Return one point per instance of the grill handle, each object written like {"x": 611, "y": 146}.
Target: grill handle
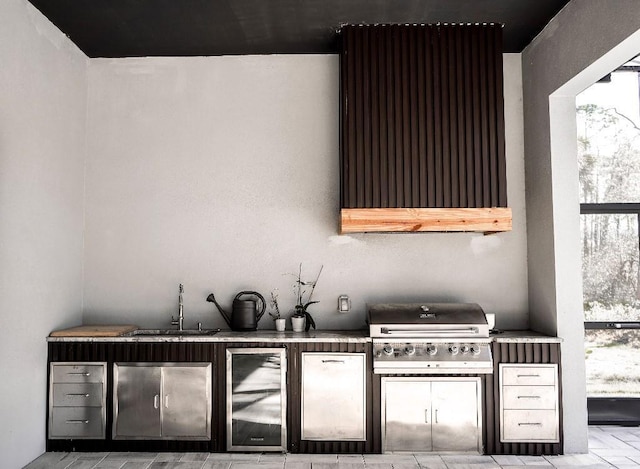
{"x": 430, "y": 333}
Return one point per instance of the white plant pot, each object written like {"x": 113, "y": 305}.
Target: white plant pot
{"x": 297, "y": 324}
{"x": 281, "y": 324}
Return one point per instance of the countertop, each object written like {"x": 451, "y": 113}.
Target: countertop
{"x": 352, "y": 336}
{"x": 348, "y": 336}
{"x": 523, "y": 336}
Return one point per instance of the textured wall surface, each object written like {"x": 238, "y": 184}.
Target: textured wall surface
{"x": 223, "y": 173}
{"x": 42, "y": 134}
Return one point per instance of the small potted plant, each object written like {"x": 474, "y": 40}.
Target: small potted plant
{"x": 301, "y": 318}
{"x": 275, "y": 313}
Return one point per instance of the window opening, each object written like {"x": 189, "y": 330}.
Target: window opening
{"x": 608, "y": 124}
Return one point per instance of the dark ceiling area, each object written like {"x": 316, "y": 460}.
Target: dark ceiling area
{"x": 139, "y": 28}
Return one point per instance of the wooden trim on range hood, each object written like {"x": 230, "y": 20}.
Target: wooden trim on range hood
{"x": 486, "y": 220}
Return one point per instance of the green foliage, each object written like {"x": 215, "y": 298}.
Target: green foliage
{"x": 609, "y": 172}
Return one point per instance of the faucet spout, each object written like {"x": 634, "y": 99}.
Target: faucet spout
{"x": 180, "y": 320}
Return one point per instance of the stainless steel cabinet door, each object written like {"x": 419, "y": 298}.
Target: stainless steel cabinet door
{"x": 137, "y": 402}
{"x": 455, "y": 414}
{"x": 256, "y": 399}
{"x": 406, "y": 415}
{"x": 186, "y": 397}
{"x": 333, "y": 396}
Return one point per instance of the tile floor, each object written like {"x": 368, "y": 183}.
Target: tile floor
{"x": 609, "y": 447}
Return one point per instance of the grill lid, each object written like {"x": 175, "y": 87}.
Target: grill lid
{"x": 424, "y": 319}
{"x": 427, "y": 313}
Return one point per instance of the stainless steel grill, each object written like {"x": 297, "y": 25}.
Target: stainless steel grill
{"x": 430, "y": 338}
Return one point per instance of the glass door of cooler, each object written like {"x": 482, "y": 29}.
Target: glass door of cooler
{"x": 256, "y": 399}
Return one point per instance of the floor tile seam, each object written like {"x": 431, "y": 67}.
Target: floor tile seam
{"x": 631, "y": 463}
{"x": 601, "y": 460}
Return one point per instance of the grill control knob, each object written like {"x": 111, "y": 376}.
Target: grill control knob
{"x": 409, "y": 350}
{"x": 453, "y": 349}
{"x": 464, "y": 349}
{"x": 475, "y": 349}
{"x": 432, "y": 349}
{"x": 387, "y": 350}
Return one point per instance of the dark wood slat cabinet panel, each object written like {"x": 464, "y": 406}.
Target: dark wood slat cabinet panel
{"x": 422, "y": 112}
{"x": 522, "y": 353}
{"x": 112, "y": 352}
{"x": 514, "y": 353}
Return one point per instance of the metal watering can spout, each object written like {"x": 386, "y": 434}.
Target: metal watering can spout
{"x": 225, "y": 315}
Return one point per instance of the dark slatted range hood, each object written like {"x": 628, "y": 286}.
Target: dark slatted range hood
{"x": 422, "y": 142}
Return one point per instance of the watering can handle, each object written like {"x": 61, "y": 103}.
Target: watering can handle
{"x": 262, "y": 308}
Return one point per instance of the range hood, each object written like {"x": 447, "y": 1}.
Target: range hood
{"x": 422, "y": 129}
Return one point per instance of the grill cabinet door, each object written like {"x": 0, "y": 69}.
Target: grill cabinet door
{"x": 455, "y": 415}
{"x": 407, "y": 416}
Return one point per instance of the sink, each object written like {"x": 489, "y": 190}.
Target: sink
{"x": 171, "y": 332}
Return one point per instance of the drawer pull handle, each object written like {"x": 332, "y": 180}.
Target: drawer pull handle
{"x": 528, "y": 397}
{"x": 82, "y": 422}
{"x": 80, "y": 374}
{"x": 332, "y": 361}
{"x": 528, "y": 376}
{"x": 529, "y": 424}
{"x": 78, "y": 395}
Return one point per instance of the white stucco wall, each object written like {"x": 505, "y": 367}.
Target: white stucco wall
{"x": 573, "y": 51}
{"x": 222, "y": 173}
{"x": 42, "y": 136}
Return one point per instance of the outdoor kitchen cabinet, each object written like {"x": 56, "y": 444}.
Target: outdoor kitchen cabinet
{"x": 529, "y": 403}
{"x": 333, "y": 396}
{"x": 525, "y": 353}
{"x": 77, "y": 400}
{"x": 162, "y": 401}
{"x": 431, "y": 414}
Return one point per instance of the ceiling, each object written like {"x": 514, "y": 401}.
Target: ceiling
{"x": 138, "y": 28}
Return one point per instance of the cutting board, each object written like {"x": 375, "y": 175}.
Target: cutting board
{"x": 94, "y": 331}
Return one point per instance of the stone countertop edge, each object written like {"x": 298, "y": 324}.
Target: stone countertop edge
{"x": 349, "y": 336}
{"x": 353, "y": 336}
{"x": 523, "y": 337}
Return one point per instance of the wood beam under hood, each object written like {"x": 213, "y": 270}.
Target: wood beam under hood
{"x": 486, "y": 220}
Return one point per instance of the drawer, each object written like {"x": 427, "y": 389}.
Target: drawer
{"x": 76, "y": 422}
{"x": 529, "y": 426}
{"x": 77, "y": 394}
{"x": 80, "y": 373}
{"x": 529, "y": 397}
{"x": 537, "y": 375}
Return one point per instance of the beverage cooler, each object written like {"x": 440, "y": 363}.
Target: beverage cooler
{"x": 256, "y": 399}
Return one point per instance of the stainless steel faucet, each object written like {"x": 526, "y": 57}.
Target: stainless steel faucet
{"x": 180, "y": 321}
